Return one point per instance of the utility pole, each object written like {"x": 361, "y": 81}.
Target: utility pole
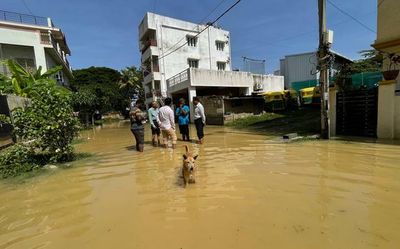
{"x": 323, "y": 65}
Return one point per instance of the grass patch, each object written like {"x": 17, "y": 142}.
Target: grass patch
{"x": 303, "y": 122}
{"x": 253, "y": 120}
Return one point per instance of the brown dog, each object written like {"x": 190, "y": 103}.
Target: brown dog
{"x": 189, "y": 167}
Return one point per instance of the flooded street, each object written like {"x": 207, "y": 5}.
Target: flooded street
{"x": 252, "y": 191}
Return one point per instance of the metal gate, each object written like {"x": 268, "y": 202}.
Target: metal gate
{"x": 357, "y": 113}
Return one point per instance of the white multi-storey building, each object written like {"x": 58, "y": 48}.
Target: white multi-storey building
{"x": 159, "y": 36}
{"x": 179, "y": 60}
{"x": 34, "y": 41}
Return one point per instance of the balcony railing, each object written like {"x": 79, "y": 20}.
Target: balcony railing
{"x": 48, "y": 39}
{"x": 179, "y": 78}
{"x": 23, "y": 18}
{"x": 156, "y": 93}
{"x": 147, "y": 70}
{"x": 148, "y": 43}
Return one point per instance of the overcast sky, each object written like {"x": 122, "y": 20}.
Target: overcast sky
{"x": 104, "y": 32}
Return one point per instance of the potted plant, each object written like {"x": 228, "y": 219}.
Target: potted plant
{"x": 392, "y": 72}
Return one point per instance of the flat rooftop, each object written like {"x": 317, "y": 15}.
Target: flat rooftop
{"x": 14, "y": 17}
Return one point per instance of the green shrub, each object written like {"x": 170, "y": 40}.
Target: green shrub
{"x": 45, "y": 129}
{"x": 16, "y": 160}
{"x": 48, "y": 123}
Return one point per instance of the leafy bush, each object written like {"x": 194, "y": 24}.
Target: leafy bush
{"x": 45, "y": 129}
{"x": 49, "y": 123}
{"x": 16, "y": 160}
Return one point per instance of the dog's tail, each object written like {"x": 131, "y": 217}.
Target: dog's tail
{"x": 187, "y": 148}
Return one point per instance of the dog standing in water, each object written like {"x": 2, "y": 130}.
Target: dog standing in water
{"x": 189, "y": 167}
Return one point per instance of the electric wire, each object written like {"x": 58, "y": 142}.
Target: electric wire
{"x": 27, "y": 7}
{"x": 352, "y": 17}
{"x": 202, "y": 20}
{"x": 207, "y": 26}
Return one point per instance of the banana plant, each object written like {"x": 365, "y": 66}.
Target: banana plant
{"x": 22, "y": 82}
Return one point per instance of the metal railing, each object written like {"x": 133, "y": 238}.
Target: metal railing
{"x": 178, "y": 78}
{"x": 48, "y": 39}
{"x": 23, "y": 18}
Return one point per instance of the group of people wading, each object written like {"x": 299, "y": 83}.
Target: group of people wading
{"x": 162, "y": 121}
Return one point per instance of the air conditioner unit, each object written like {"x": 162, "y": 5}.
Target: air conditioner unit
{"x": 258, "y": 87}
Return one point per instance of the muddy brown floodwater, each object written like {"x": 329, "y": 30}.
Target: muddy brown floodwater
{"x": 252, "y": 191}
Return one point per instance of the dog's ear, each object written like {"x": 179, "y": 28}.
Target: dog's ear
{"x": 195, "y": 157}
{"x": 184, "y": 156}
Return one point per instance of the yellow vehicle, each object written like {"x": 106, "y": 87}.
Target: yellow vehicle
{"x": 310, "y": 95}
{"x": 274, "y": 101}
{"x": 291, "y": 98}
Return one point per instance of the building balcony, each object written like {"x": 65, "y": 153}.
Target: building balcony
{"x": 194, "y": 77}
{"x": 148, "y": 43}
{"x": 150, "y": 76}
{"x": 147, "y": 70}
{"x": 150, "y": 51}
{"x": 54, "y": 48}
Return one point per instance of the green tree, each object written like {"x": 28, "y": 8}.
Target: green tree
{"x": 102, "y": 82}
{"x": 371, "y": 62}
{"x": 131, "y": 82}
{"x": 85, "y": 101}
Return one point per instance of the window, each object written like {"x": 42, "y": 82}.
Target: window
{"x": 221, "y": 66}
{"x": 193, "y": 63}
{"x": 27, "y": 63}
{"x": 220, "y": 45}
{"x": 191, "y": 41}
{"x": 60, "y": 77}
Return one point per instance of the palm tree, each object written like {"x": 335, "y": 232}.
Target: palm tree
{"x": 131, "y": 82}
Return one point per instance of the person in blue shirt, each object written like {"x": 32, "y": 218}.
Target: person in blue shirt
{"x": 182, "y": 112}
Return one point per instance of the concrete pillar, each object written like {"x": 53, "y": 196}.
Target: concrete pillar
{"x": 49, "y": 22}
{"x": 191, "y": 93}
{"x": 332, "y": 110}
{"x": 386, "y": 109}
{"x": 248, "y": 91}
{"x": 40, "y": 57}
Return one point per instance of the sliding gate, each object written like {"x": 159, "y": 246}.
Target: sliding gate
{"x": 357, "y": 113}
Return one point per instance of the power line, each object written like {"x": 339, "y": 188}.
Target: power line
{"x": 352, "y": 17}
{"x": 277, "y": 42}
{"x": 212, "y": 11}
{"x": 27, "y": 7}
{"x": 202, "y": 20}
{"x": 207, "y": 26}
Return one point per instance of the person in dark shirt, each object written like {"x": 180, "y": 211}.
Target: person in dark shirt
{"x": 138, "y": 118}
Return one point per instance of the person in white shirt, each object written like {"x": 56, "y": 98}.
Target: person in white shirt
{"x": 199, "y": 119}
{"x": 167, "y": 123}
